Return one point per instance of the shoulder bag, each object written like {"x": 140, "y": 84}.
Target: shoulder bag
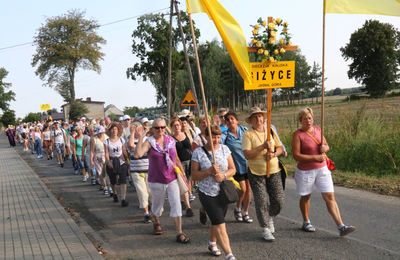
{"x": 227, "y": 193}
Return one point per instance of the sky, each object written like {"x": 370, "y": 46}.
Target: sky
{"x": 21, "y": 19}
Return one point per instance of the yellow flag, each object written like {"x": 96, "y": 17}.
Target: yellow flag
{"x": 194, "y": 6}
{"x": 44, "y": 107}
{"x": 230, "y": 31}
{"x": 381, "y": 7}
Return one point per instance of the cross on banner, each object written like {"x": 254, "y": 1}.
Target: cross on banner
{"x": 269, "y": 94}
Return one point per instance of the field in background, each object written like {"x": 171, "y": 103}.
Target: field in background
{"x": 364, "y": 137}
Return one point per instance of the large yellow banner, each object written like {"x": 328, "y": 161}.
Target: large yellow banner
{"x": 382, "y": 7}
{"x": 271, "y": 75}
{"x": 230, "y": 31}
{"x": 45, "y": 107}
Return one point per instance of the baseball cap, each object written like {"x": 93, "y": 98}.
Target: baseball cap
{"x": 144, "y": 120}
{"x": 126, "y": 117}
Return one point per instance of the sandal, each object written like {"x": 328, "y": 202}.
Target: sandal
{"x": 182, "y": 238}
{"x": 157, "y": 229}
{"x": 214, "y": 249}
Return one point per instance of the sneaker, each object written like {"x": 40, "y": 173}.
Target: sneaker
{"x": 345, "y": 230}
{"x": 203, "y": 217}
{"x": 76, "y": 172}
{"x": 248, "y": 219}
{"x": 62, "y": 165}
{"x": 84, "y": 178}
{"x": 307, "y": 227}
{"x": 271, "y": 226}
{"x": 238, "y": 215}
{"x": 147, "y": 218}
{"x": 191, "y": 197}
{"x": 93, "y": 181}
{"x": 189, "y": 212}
{"x": 105, "y": 192}
{"x": 115, "y": 197}
{"x": 124, "y": 203}
{"x": 267, "y": 235}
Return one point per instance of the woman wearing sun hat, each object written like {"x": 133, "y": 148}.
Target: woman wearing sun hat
{"x": 267, "y": 190}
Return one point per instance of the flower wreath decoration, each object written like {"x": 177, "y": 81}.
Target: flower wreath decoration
{"x": 264, "y": 39}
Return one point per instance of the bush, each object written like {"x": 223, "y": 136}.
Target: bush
{"x": 362, "y": 143}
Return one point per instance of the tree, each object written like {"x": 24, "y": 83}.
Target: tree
{"x": 5, "y": 96}
{"x": 65, "y": 44}
{"x": 32, "y": 117}
{"x": 303, "y": 83}
{"x": 375, "y": 53}
{"x": 131, "y": 111}
{"x": 315, "y": 81}
{"x": 150, "y": 45}
{"x": 8, "y": 118}
{"x": 77, "y": 110}
{"x": 337, "y": 91}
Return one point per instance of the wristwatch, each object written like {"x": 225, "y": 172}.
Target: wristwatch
{"x": 225, "y": 175}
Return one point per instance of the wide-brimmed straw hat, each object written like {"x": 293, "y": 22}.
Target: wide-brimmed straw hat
{"x": 255, "y": 110}
{"x": 112, "y": 125}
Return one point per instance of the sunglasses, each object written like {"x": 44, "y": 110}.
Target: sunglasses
{"x": 159, "y": 127}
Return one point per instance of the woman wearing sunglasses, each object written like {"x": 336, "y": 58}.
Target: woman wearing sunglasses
{"x": 162, "y": 156}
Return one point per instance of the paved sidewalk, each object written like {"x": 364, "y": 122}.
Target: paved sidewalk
{"x": 33, "y": 224}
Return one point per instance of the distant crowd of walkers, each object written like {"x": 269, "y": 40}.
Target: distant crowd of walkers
{"x": 148, "y": 154}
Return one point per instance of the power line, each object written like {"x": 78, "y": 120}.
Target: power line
{"x": 106, "y": 24}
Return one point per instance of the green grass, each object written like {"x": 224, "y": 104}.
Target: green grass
{"x": 364, "y": 137}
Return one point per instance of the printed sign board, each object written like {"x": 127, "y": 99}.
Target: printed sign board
{"x": 271, "y": 75}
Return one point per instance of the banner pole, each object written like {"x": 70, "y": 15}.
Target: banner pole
{"x": 323, "y": 76}
{"x": 269, "y": 108}
{"x": 201, "y": 85}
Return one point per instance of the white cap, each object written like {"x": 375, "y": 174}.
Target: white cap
{"x": 184, "y": 112}
{"x": 144, "y": 120}
{"x": 126, "y": 117}
{"x": 100, "y": 130}
{"x": 121, "y": 118}
{"x": 83, "y": 118}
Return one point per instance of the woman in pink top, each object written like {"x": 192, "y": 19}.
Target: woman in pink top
{"x": 312, "y": 169}
{"x": 162, "y": 155}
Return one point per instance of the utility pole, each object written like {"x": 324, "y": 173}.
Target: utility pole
{"x": 169, "y": 109}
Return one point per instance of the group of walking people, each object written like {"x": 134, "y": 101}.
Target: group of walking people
{"x": 149, "y": 153}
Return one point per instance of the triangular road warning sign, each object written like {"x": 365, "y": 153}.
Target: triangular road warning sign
{"x": 188, "y": 100}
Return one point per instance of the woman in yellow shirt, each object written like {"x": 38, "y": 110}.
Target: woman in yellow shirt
{"x": 267, "y": 191}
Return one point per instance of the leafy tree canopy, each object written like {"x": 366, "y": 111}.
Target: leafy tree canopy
{"x": 5, "y": 96}
{"x": 8, "y": 118}
{"x": 151, "y": 47}
{"x": 65, "y": 44}
{"x": 374, "y": 51}
{"x": 77, "y": 110}
{"x": 131, "y": 111}
{"x": 32, "y": 117}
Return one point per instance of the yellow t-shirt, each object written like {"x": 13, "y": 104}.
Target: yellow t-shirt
{"x": 258, "y": 165}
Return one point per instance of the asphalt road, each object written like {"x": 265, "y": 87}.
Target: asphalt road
{"x": 123, "y": 234}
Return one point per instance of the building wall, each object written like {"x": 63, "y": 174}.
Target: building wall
{"x": 96, "y": 111}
